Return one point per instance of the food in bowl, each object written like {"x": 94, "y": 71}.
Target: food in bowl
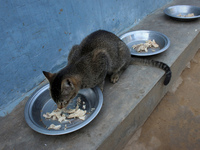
{"x": 188, "y": 15}
{"x": 143, "y": 47}
{"x": 55, "y": 127}
{"x": 62, "y": 115}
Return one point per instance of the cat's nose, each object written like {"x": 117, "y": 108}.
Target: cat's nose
{"x": 60, "y": 106}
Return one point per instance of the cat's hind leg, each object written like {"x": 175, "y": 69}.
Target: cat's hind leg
{"x": 115, "y": 76}
{"x": 123, "y": 60}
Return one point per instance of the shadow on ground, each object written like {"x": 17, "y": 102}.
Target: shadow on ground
{"x": 174, "y": 124}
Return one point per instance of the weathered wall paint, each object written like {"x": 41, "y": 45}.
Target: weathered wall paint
{"x": 37, "y": 35}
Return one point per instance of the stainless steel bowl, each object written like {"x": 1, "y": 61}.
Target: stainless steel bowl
{"x": 141, "y": 36}
{"x": 175, "y": 11}
{"x": 41, "y": 102}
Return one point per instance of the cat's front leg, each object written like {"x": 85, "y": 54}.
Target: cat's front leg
{"x": 101, "y": 85}
{"x": 114, "y": 78}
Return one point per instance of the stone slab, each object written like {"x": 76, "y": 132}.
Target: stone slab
{"x": 127, "y": 104}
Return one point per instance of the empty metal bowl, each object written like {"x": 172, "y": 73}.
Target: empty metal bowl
{"x": 41, "y": 102}
{"x": 181, "y": 12}
{"x": 141, "y": 36}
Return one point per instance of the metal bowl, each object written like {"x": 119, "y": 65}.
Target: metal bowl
{"x": 141, "y": 36}
{"x": 175, "y": 11}
{"x": 41, "y": 102}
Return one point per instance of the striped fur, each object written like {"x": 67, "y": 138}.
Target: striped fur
{"x": 154, "y": 63}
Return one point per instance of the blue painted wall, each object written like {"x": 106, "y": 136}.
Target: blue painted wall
{"x": 37, "y": 35}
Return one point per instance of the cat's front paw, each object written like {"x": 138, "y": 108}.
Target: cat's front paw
{"x": 114, "y": 78}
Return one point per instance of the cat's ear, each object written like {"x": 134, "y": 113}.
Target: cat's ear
{"x": 67, "y": 84}
{"x": 48, "y": 75}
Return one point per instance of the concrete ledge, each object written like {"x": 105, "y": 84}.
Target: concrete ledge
{"x": 127, "y": 104}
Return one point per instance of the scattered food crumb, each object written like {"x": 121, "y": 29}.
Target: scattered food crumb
{"x": 55, "y": 127}
{"x": 92, "y": 109}
{"x": 65, "y": 127}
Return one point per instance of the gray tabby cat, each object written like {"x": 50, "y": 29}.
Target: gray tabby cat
{"x": 101, "y": 53}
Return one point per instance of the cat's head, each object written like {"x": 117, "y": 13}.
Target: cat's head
{"x": 62, "y": 90}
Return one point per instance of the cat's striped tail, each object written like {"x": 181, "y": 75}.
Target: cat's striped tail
{"x": 154, "y": 63}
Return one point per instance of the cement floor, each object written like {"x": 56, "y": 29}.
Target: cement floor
{"x": 174, "y": 124}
